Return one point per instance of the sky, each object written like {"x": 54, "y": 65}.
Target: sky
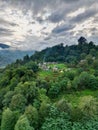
{"x": 37, "y": 24}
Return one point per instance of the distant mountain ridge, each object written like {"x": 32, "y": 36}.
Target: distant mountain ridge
{"x": 4, "y": 46}
{"x": 8, "y": 56}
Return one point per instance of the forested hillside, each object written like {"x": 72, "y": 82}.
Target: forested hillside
{"x": 69, "y": 54}
{"x": 54, "y": 89}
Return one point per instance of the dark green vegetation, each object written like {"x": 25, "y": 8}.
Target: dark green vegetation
{"x": 59, "y": 95}
{"x": 70, "y": 54}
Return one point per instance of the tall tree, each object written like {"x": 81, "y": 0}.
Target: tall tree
{"x": 8, "y": 120}
{"x": 23, "y": 124}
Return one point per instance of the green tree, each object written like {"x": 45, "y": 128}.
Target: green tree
{"x": 13, "y": 83}
{"x": 95, "y": 64}
{"x": 29, "y": 90}
{"x": 32, "y": 115}
{"x": 70, "y": 74}
{"x": 7, "y": 98}
{"x": 89, "y": 59}
{"x": 26, "y": 59}
{"x": 18, "y": 102}
{"x": 33, "y": 66}
{"x": 88, "y": 105}
{"x": 8, "y": 120}
{"x": 54, "y": 90}
{"x": 23, "y": 124}
{"x": 43, "y": 111}
{"x": 82, "y": 40}
{"x": 82, "y": 56}
{"x": 63, "y": 106}
{"x": 83, "y": 80}
{"x": 93, "y": 52}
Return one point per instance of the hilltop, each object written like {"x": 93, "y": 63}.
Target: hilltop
{"x": 69, "y": 54}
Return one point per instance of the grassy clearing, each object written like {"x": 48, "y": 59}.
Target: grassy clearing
{"x": 58, "y": 65}
{"x": 43, "y": 73}
{"x": 74, "y": 97}
{"x": 50, "y": 73}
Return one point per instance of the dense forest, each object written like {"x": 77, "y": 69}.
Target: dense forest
{"x": 69, "y": 54}
{"x": 54, "y": 89}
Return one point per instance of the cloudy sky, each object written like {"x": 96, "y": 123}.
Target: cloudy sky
{"x": 36, "y": 24}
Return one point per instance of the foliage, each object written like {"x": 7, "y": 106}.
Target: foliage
{"x": 18, "y": 102}
{"x": 85, "y": 80}
{"x": 28, "y": 90}
{"x": 88, "y": 105}
{"x": 23, "y": 124}
{"x": 8, "y": 120}
{"x": 56, "y": 121}
{"x": 32, "y": 115}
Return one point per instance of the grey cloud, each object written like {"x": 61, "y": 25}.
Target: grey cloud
{"x": 35, "y": 5}
{"x": 7, "y": 23}
{"x": 5, "y": 32}
{"x": 40, "y": 6}
{"x": 62, "y": 28}
{"x": 44, "y": 28}
{"x": 47, "y": 38}
{"x": 45, "y": 33}
{"x": 95, "y": 20}
{"x": 39, "y": 19}
{"x": 71, "y": 1}
{"x": 33, "y": 22}
{"x": 13, "y": 24}
{"x": 94, "y": 29}
{"x": 43, "y": 43}
{"x": 85, "y": 15}
{"x": 56, "y": 17}
{"x": 58, "y": 8}
{"x": 69, "y": 6}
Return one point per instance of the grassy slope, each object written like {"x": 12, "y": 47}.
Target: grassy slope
{"x": 72, "y": 97}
